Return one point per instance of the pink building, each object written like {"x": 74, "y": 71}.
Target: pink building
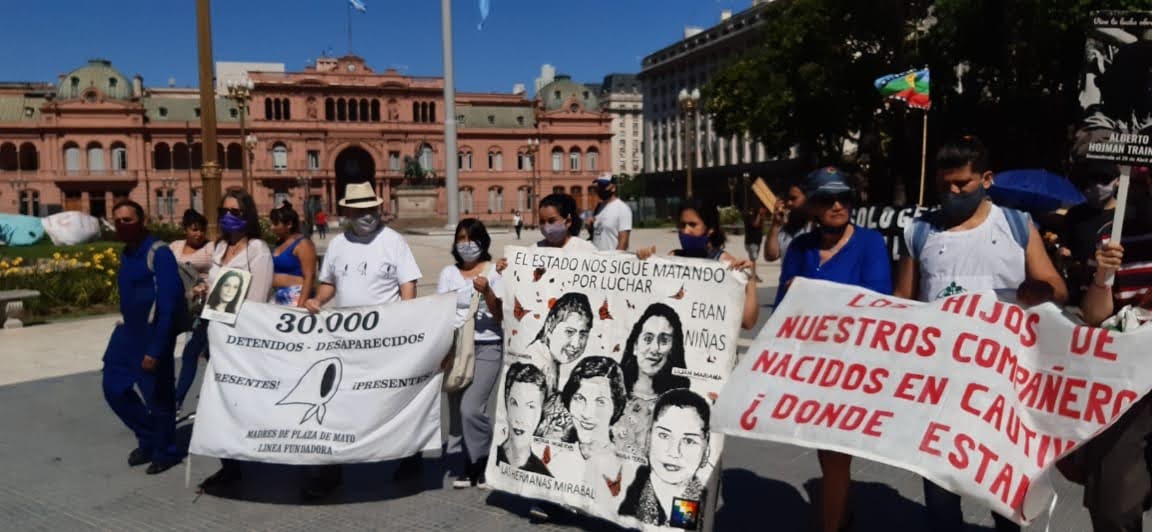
{"x": 97, "y": 136}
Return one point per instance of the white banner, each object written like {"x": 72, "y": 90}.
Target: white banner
{"x": 610, "y": 374}
{"x": 343, "y": 386}
{"x": 976, "y": 395}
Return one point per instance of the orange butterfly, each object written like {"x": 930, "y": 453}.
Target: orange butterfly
{"x": 680, "y": 294}
{"x": 616, "y": 349}
{"x": 712, "y": 396}
{"x": 604, "y": 314}
{"x": 551, "y": 303}
{"x": 518, "y": 309}
{"x": 537, "y": 274}
{"x": 546, "y": 456}
{"x": 614, "y": 484}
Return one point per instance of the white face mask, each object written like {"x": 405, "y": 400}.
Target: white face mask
{"x": 468, "y": 251}
{"x": 1098, "y": 195}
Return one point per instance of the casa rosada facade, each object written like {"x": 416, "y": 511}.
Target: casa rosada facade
{"x": 97, "y": 137}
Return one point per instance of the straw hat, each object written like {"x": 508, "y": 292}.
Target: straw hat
{"x": 360, "y": 196}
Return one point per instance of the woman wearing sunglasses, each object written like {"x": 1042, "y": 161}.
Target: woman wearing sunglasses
{"x": 837, "y": 251}
{"x": 239, "y": 247}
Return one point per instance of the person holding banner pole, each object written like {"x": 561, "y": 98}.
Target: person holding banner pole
{"x": 788, "y": 222}
{"x": 969, "y": 245}
{"x": 470, "y": 426}
{"x": 839, "y": 251}
{"x": 369, "y": 264}
{"x": 240, "y": 247}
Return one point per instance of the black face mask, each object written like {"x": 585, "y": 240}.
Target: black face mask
{"x": 958, "y": 208}
{"x": 604, "y": 193}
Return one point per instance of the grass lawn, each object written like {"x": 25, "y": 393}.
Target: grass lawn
{"x": 45, "y": 249}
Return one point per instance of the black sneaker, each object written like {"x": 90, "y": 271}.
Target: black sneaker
{"x": 225, "y": 478}
{"x": 139, "y": 457}
{"x": 157, "y": 467}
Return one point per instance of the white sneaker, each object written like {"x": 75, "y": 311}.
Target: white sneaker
{"x": 461, "y": 482}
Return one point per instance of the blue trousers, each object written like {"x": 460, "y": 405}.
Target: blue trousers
{"x": 196, "y": 346}
{"x": 144, "y": 401}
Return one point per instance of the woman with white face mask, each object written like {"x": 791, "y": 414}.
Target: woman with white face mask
{"x": 470, "y": 426}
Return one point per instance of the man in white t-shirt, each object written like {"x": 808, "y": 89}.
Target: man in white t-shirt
{"x": 369, "y": 264}
{"x": 613, "y": 224}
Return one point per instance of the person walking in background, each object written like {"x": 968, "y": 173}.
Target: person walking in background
{"x": 753, "y": 235}
{"x": 839, "y": 251}
{"x": 470, "y": 425}
{"x": 968, "y": 245}
{"x": 322, "y": 224}
{"x": 369, "y": 264}
{"x": 197, "y": 251}
{"x": 612, "y": 224}
{"x": 293, "y": 260}
{"x": 140, "y": 352}
{"x": 789, "y": 221}
{"x": 517, "y": 223}
{"x": 241, "y": 248}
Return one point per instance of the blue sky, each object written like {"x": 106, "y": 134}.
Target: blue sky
{"x": 156, "y": 39}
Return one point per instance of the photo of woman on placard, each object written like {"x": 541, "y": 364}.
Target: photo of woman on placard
{"x": 654, "y": 348}
{"x": 562, "y": 339}
{"x": 677, "y": 454}
{"x": 594, "y": 398}
{"x": 227, "y": 296}
{"x": 524, "y": 395}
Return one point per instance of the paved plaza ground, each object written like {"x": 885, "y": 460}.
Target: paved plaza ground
{"x": 63, "y": 452}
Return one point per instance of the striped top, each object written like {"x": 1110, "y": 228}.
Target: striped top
{"x": 201, "y": 259}
{"x": 1134, "y": 279}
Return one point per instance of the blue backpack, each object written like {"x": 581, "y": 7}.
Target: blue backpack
{"x": 1018, "y": 221}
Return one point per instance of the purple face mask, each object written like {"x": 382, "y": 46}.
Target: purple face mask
{"x": 230, "y": 223}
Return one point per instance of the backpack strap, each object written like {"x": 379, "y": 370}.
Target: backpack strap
{"x": 1021, "y": 225}
{"x": 921, "y": 228}
{"x": 151, "y": 261}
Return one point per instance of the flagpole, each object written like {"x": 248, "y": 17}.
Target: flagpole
{"x": 923, "y": 156}
{"x": 451, "y": 179}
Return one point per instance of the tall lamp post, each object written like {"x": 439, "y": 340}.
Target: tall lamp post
{"x": 209, "y": 170}
{"x": 250, "y": 142}
{"x": 20, "y": 184}
{"x": 241, "y": 93}
{"x": 688, "y": 103}
{"x": 533, "y": 148}
{"x": 747, "y": 183}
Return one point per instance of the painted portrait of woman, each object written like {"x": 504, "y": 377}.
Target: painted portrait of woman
{"x": 653, "y": 350}
{"x": 562, "y": 339}
{"x": 524, "y": 396}
{"x": 594, "y": 398}
{"x": 677, "y": 453}
{"x": 226, "y": 298}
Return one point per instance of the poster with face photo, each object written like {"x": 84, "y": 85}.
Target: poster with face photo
{"x": 611, "y": 367}
{"x": 227, "y": 296}
{"x": 1117, "y": 91}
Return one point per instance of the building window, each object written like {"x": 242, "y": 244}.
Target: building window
{"x": 496, "y": 199}
{"x": 574, "y": 160}
{"x": 432, "y": 112}
{"x": 426, "y": 157}
{"x": 196, "y": 111}
{"x": 267, "y": 108}
{"x": 329, "y": 109}
{"x": 287, "y": 109}
{"x": 520, "y": 120}
{"x": 234, "y": 112}
{"x": 522, "y": 198}
{"x": 593, "y": 158}
{"x": 375, "y": 110}
{"x": 353, "y": 111}
{"x": 464, "y": 160}
{"x": 163, "y": 111}
{"x": 313, "y": 159}
{"x": 491, "y": 120}
{"x": 95, "y": 157}
{"x": 119, "y": 157}
{"x": 466, "y": 200}
{"x": 459, "y": 120}
{"x": 394, "y": 161}
{"x": 495, "y": 160}
{"x": 341, "y": 110}
{"x": 557, "y": 159}
{"x": 556, "y": 95}
{"x": 279, "y": 156}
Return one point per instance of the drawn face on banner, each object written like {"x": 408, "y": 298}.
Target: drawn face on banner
{"x": 679, "y": 442}
{"x": 525, "y": 406}
{"x": 653, "y": 345}
{"x": 591, "y": 408}
{"x": 568, "y": 333}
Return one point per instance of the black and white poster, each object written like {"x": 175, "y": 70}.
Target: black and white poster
{"x": 1117, "y": 92}
{"x": 227, "y": 296}
{"x": 611, "y": 371}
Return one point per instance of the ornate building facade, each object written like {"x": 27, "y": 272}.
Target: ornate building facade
{"x": 97, "y": 136}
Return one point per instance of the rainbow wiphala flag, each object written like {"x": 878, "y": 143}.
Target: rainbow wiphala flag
{"x": 912, "y": 87}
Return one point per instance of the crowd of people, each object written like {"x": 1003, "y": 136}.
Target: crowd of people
{"x": 968, "y": 244}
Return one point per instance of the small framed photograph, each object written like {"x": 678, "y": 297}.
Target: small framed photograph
{"x": 227, "y": 296}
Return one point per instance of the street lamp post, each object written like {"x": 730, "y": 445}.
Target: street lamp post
{"x": 688, "y": 103}
{"x": 209, "y": 170}
{"x": 241, "y": 93}
{"x": 250, "y": 142}
{"x": 20, "y": 184}
{"x": 747, "y": 182}
{"x": 533, "y": 148}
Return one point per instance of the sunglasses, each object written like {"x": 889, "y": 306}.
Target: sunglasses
{"x": 828, "y": 200}
{"x": 233, "y": 212}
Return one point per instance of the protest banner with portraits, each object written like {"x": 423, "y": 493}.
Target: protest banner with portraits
{"x": 977, "y": 395}
{"x": 611, "y": 369}
{"x": 342, "y": 386}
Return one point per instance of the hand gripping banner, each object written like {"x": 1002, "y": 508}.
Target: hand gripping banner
{"x": 342, "y": 386}
{"x": 979, "y": 396}
{"x": 611, "y": 371}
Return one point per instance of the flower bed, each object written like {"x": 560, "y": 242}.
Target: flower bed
{"x": 69, "y": 282}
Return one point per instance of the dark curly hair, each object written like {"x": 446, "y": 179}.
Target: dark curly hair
{"x": 592, "y": 367}
{"x": 664, "y": 380}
